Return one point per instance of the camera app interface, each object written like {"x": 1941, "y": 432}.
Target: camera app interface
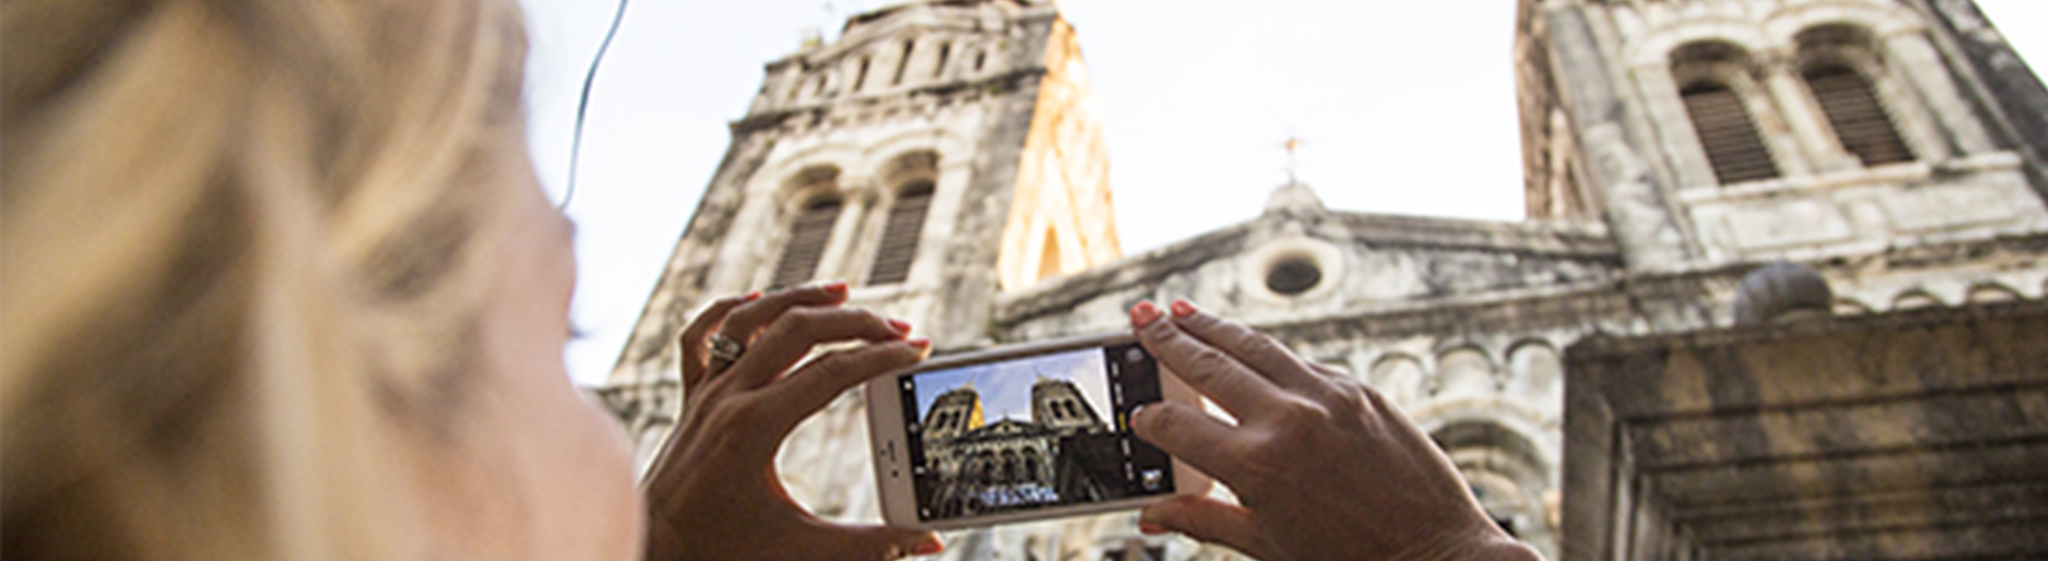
{"x": 1033, "y": 432}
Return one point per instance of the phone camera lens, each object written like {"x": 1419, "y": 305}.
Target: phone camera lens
{"x": 1134, "y": 355}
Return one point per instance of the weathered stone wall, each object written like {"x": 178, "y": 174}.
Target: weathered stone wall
{"x": 1063, "y": 222}
{"x": 1964, "y": 182}
{"x": 1904, "y": 436}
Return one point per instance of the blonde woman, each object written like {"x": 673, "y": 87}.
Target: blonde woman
{"x": 277, "y": 282}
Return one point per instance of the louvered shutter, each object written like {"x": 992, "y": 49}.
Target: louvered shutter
{"x": 1858, "y": 118}
{"x": 807, "y": 238}
{"x": 900, "y": 236}
{"x": 1728, "y": 134}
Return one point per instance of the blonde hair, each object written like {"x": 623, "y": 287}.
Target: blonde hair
{"x": 242, "y": 252}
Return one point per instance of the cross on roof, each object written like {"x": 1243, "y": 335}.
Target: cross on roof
{"x": 1292, "y": 144}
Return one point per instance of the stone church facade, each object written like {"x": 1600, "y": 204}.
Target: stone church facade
{"x": 946, "y": 157}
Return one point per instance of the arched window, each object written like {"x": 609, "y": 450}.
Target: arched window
{"x": 945, "y": 52}
{"x": 808, "y": 235}
{"x": 861, "y": 78}
{"x": 1833, "y": 60}
{"x": 1728, "y": 134}
{"x": 903, "y": 63}
{"x": 1049, "y": 261}
{"x": 1714, "y": 78}
{"x": 1858, "y": 118}
{"x": 900, "y": 235}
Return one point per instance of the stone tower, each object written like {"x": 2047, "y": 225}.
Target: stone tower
{"x": 1058, "y": 405}
{"x": 953, "y": 413}
{"x": 1716, "y": 132}
{"x": 934, "y": 154}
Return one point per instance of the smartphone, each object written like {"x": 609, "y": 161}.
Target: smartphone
{"x": 1024, "y": 432}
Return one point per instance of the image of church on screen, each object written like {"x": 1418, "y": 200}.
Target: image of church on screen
{"x": 1064, "y": 454}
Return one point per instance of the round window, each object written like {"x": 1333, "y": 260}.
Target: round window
{"x": 1293, "y": 276}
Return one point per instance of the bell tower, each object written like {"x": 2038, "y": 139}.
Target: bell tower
{"x": 934, "y": 155}
{"x": 1709, "y": 133}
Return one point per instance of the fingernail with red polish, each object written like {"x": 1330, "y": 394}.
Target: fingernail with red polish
{"x": 902, "y": 327}
{"x": 920, "y": 343}
{"x": 752, "y": 296}
{"x": 930, "y": 546}
{"x": 836, "y": 287}
{"x": 1144, "y": 314}
{"x": 1183, "y": 308}
{"x": 1136, "y": 413}
{"x": 1151, "y": 529}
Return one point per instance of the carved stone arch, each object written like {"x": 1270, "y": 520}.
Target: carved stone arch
{"x": 1655, "y": 47}
{"x": 774, "y": 174}
{"x": 1916, "y": 298}
{"x": 1535, "y": 370}
{"x": 1516, "y": 418}
{"x": 908, "y": 167}
{"x": 1401, "y": 378}
{"x": 1465, "y": 370}
{"x": 1711, "y": 60}
{"x": 1782, "y": 27}
{"x": 874, "y": 159}
{"x": 1512, "y": 445}
{"x": 809, "y": 182}
{"x": 1989, "y": 292}
{"x": 1831, "y": 41}
{"x": 1850, "y": 307}
{"x": 1507, "y": 474}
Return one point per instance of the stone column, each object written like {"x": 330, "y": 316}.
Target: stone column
{"x": 1771, "y": 124}
{"x": 835, "y": 264}
{"x": 1820, "y": 149}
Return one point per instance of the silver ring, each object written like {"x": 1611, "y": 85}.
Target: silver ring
{"x": 725, "y": 349}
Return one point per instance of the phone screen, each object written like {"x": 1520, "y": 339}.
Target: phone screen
{"x": 1032, "y": 432}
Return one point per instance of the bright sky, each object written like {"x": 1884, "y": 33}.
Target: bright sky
{"x": 1005, "y": 387}
{"x": 1405, "y": 107}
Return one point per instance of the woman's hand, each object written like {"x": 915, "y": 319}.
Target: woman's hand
{"x": 1324, "y": 466}
{"x": 713, "y": 493}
